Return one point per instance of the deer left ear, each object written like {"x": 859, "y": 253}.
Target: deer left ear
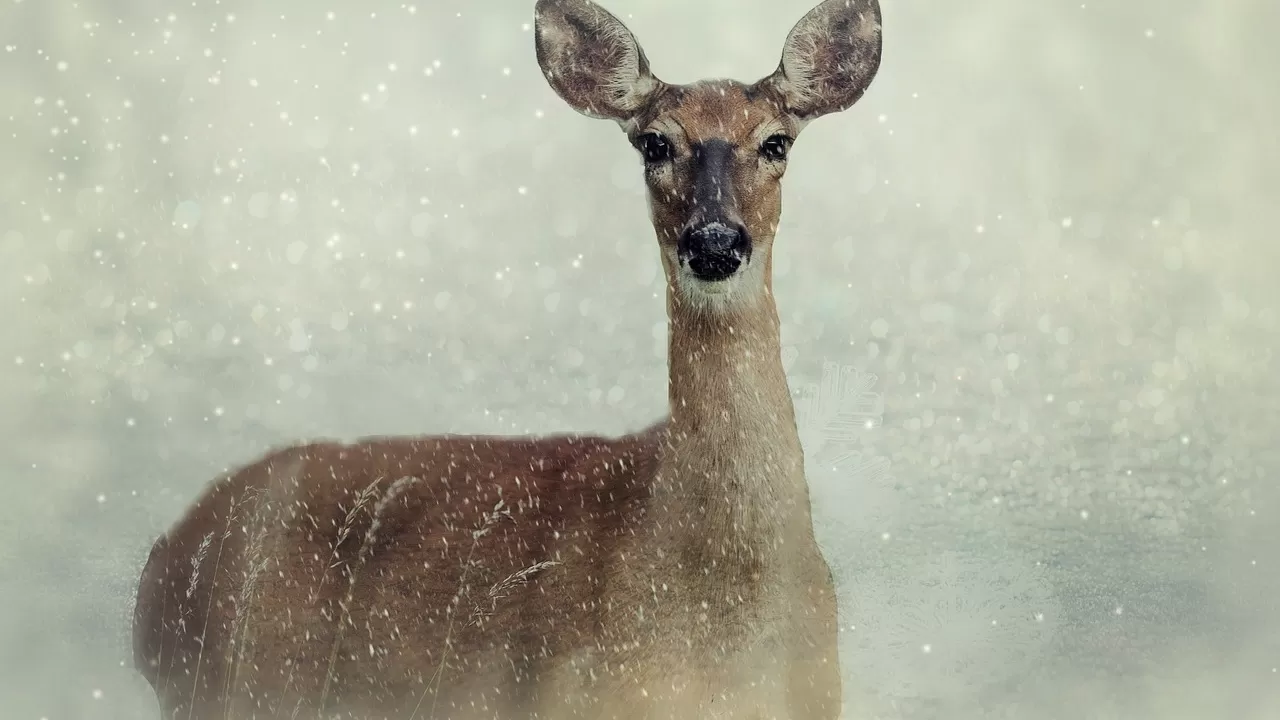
{"x": 829, "y": 59}
{"x": 591, "y": 59}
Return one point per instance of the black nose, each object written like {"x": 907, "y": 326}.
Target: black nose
{"x": 714, "y": 250}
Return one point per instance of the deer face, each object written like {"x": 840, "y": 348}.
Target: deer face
{"x": 714, "y": 151}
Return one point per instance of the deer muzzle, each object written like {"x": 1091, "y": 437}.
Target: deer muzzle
{"x": 714, "y": 251}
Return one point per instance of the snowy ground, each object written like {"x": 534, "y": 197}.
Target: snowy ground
{"x": 1026, "y": 285}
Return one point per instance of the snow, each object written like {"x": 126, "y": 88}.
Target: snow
{"x": 1029, "y": 323}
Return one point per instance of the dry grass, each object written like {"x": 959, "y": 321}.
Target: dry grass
{"x": 234, "y": 512}
{"x": 396, "y": 489}
{"x": 486, "y": 525}
{"x": 503, "y": 588}
{"x": 197, "y": 561}
{"x": 344, "y": 532}
{"x": 256, "y": 524}
{"x": 256, "y": 563}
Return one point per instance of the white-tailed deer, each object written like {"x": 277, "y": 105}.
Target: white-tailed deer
{"x": 672, "y": 573}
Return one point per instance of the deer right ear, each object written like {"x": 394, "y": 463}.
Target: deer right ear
{"x": 591, "y": 59}
{"x": 829, "y": 59}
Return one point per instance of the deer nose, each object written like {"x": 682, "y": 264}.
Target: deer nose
{"x": 715, "y": 250}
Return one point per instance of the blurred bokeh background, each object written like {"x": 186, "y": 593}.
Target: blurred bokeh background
{"x": 1036, "y": 264}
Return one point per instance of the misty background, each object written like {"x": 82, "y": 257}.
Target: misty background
{"x": 1027, "y": 287}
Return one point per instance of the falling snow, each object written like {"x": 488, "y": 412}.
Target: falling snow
{"x": 1026, "y": 292}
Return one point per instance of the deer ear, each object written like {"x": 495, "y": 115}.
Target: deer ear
{"x": 591, "y": 59}
{"x": 830, "y": 58}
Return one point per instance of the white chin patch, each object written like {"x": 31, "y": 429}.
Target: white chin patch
{"x": 713, "y": 288}
{"x": 719, "y": 295}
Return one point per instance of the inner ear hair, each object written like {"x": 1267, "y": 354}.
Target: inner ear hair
{"x": 829, "y": 58}
{"x": 591, "y": 60}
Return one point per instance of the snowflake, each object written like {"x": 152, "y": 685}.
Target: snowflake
{"x": 832, "y": 416}
{"x": 949, "y": 628}
{"x": 852, "y": 487}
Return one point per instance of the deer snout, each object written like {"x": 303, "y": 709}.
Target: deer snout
{"x": 714, "y": 251}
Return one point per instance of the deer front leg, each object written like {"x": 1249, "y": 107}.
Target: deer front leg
{"x": 814, "y": 690}
{"x": 814, "y": 686}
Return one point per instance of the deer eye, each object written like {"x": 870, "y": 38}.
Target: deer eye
{"x": 775, "y": 147}
{"x": 654, "y": 148}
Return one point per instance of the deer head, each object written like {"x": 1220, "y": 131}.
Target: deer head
{"x": 714, "y": 151}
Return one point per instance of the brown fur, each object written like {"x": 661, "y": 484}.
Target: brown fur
{"x": 380, "y": 615}
{"x": 668, "y": 573}
{"x": 726, "y": 110}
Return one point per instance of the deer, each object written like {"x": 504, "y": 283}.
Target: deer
{"x": 672, "y": 572}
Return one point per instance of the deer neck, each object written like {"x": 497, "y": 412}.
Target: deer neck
{"x": 732, "y": 471}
